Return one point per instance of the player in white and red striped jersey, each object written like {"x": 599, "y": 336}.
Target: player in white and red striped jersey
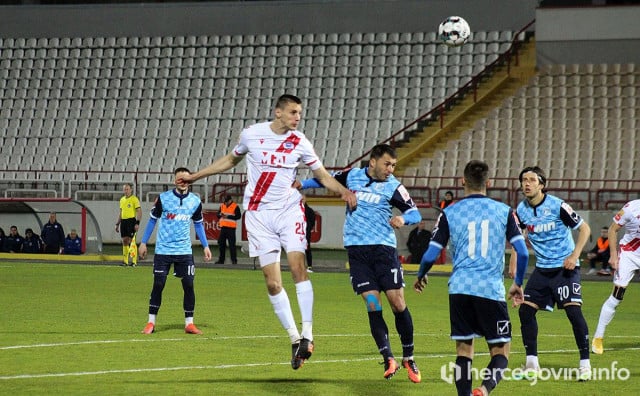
{"x": 274, "y": 214}
{"x": 625, "y": 265}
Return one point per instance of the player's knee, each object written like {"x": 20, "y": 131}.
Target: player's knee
{"x": 527, "y": 314}
{"x": 159, "y": 280}
{"x": 373, "y": 303}
{"x": 574, "y": 313}
{"x": 618, "y": 292}
{"x": 187, "y": 282}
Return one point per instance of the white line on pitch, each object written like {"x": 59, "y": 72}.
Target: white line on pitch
{"x": 253, "y": 337}
{"x": 244, "y": 365}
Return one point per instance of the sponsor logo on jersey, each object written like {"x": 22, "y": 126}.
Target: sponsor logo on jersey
{"x": 538, "y": 228}
{"x": 178, "y": 217}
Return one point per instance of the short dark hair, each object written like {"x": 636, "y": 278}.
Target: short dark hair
{"x": 285, "y": 99}
{"x": 381, "y": 149}
{"x": 537, "y": 170}
{"x": 181, "y": 169}
{"x": 476, "y": 174}
{"x": 227, "y": 198}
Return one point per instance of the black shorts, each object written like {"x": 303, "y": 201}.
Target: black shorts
{"x": 559, "y": 286}
{"x": 128, "y": 227}
{"x": 183, "y": 265}
{"x": 473, "y": 317}
{"x": 374, "y": 267}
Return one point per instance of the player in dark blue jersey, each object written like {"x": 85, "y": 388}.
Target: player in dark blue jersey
{"x": 548, "y": 221}
{"x": 477, "y": 226}
{"x": 370, "y": 240}
{"x": 175, "y": 209}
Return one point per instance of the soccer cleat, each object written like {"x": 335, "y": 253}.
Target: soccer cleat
{"x": 604, "y": 272}
{"x": 596, "y": 346}
{"x": 296, "y": 362}
{"x": 477, "y": 392}
{"x": 584, "y": 374}
{"x": 192, "y": 329}
{"x": 390, "y": 368}
{"x": 527, "y": 373}
{"x": 412, "y": 371}
{"x": 301, "y": 351}
{"x": 149, "y": 328}
{"x": 592, "y": 271}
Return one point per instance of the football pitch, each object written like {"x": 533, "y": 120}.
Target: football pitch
{"x": 74, "y": 329}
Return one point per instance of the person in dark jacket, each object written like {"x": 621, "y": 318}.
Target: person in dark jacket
{"x": 32, "y": 242}
{"x": 53, "y": 235}
{"x": 73, "y": 243}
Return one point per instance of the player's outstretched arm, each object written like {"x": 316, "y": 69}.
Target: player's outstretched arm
{"x": 332, "y": 184}
{"x": 220, "y": 165}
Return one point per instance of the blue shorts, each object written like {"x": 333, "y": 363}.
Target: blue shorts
{"x": 374, "y": 267}
{"x": 557, "y": 286}
{"x": 472, "y": 317}
{"x": 183, "y": 265}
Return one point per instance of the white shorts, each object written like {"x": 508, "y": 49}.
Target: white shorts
{"x": 628, "y": 265}
{"x": 271, "y": 230}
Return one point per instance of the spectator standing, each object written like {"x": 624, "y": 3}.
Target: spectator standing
{"x": 448, "y": 200}
{"x": 229, "y": 214}
{"x": 53, "y": 235}
{"x": 600, "y": 254}
{"x": 32, "y": 242}
{"x": 14, "y": 241}
{"x": 73, "y": 243}
{"x": 418, "y": 241}
{"x": 310, "y": 219}
{"x": 273, "y": 214}
{"x": 128, "y": 222}
{"x": 3, "y": 237}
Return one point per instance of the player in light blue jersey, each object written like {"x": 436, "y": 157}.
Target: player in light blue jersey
{"x": 477, "y": 226}
{"x": 175, "y": 209}
{"x": 370, "y": 241}
{"x": 547, "y": 221}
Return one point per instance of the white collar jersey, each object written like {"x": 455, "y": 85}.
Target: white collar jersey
{"x": 272, "y": 165}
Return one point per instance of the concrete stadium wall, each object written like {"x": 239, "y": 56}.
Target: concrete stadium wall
{"x": 588, "y": 35}
{"x": 255, "y": 17}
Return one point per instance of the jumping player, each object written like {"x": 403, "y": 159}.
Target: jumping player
{"x": 274, "y": 213}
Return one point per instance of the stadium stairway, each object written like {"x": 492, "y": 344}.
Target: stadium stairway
{"x": 462, "y": 116}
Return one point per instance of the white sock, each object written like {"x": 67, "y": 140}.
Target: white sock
{"x": 152, "y": 318}
{"x": 585, "y": 363}
{"x": 282, "y": 309}
{"x": 188, "y": 321}
{"x": 606, "y": 315}
{"x": 532, "y": 362}
{"x": 304, "y": 292}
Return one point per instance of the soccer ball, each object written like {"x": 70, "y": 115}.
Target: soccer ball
{"x": 454, "y": 31}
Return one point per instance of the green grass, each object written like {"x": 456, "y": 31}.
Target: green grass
{"x": 75, "y": 329}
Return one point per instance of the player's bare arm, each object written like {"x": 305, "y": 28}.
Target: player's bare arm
{"x": 420, "y": 284}
{"x": 332, "y": 184}
{"x": 584, "y": 232}
{"x": 207, "y": 254}
{"x": 516, "y": 294}
{"x": 613, "y": 245}
{"x": 142, "y": 251}
{"x": 397, "y": 222}
{"x": 220, "y": 165}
